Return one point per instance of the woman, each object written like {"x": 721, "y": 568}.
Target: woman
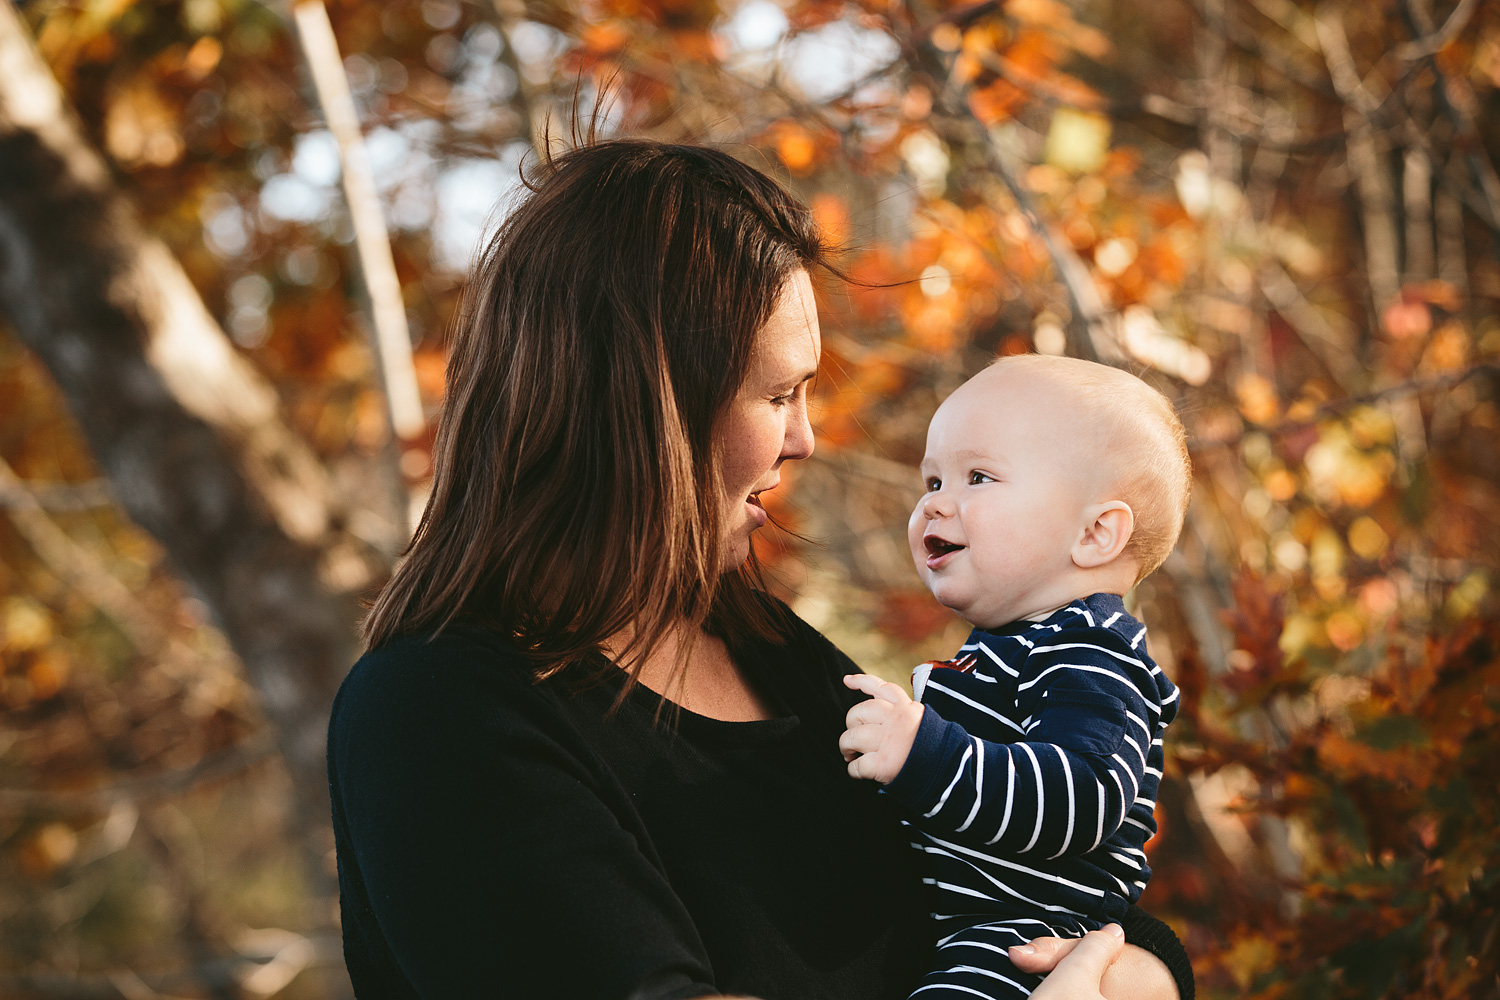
{"x": 585, "y": 756}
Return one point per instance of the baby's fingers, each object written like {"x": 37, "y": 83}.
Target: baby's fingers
{"x": 867, "y": 713}
{"x": 877, "y": 688}
{"x": 860, "y": 740}
{"x": 866, "y": 766}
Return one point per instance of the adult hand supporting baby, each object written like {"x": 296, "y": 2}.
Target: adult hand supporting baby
{"x": 1097, "y": 966}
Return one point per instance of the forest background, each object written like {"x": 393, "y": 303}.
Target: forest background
{"x": 232, "y": 240}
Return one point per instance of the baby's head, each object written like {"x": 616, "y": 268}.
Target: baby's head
{"x": 1047, "y": 479}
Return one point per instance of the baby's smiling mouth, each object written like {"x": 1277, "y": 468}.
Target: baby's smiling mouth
{"x": 939, "y": 546}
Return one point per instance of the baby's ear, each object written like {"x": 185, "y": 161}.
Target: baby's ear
{"x": 1106, "y": 532}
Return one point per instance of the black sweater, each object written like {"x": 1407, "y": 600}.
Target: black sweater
{"x": 502, "y": 838}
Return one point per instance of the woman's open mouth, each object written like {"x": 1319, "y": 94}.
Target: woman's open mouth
{"x": 938, "y": 550}
{"x": 757, "y": 510}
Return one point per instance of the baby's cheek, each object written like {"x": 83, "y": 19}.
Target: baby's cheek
{"x": 916, "y": 527}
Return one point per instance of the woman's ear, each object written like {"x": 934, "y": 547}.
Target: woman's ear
{"x": 1105, "y": 536}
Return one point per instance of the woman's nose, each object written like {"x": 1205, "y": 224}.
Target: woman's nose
{"x": 799, "y": 441}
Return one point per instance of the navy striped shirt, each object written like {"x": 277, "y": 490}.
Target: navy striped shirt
{"x": 1034, "y": 772}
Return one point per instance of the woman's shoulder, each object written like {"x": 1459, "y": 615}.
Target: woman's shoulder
{"x": 457, "y": 683}
{"x": 456, "y": 656}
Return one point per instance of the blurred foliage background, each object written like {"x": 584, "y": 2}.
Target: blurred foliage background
{"x": 221, "y": 224}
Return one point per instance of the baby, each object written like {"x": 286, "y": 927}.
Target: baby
{"x": 1029, "y": 763}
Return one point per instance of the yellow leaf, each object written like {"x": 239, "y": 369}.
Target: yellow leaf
{"x": 202, "y": 57}
{"x": 1257, "y": 398}
{"x": 25, "y": 623}
{"x": 139, "y": 129}
{"x": 1078, "y": 141}
{"x": 1249, "y": 957}
{"x": 1367, "y": 538}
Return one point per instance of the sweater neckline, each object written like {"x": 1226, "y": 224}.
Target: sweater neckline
{"x": 609, "y": 677}
{"x": 695, "y": 725}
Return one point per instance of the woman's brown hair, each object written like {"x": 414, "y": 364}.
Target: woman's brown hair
{"x": 606, "y": 328}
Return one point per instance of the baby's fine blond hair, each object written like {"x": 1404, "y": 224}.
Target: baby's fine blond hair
{"x": 1144, "y": 441}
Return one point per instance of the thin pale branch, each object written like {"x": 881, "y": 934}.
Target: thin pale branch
{"x": 371, "y": 240}
{"x": 1372, "y": 178}
{"x": 62, "y": 497}
{"x": 508, "y": 14}
{"x": 1456, "y": 101}
{"x": 1332, "y": 345}
{"x": 1435, "y": 41}
{"x": 76, "y": 565}
{"x": 1086, "y": 306}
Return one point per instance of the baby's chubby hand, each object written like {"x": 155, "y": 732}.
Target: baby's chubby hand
{"x": 880, "y": 731}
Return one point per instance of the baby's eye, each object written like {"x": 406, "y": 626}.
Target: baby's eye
{"x": 976, "y": 477}
{"x": 933, "y": 484}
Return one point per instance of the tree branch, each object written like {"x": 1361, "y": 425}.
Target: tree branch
{"x": 1433, "y": 42}
{"x": 1086, "y": 307}
{"x": 139, "y": 791}
{"x": 508, "y": 14}
{"x": 61, "y": 497}
{"x": 371, "y": 240}
{"x": 292, "y": 954}
{"x": 76, "y": 565}
{"x": 1337, "y": 407}
{"x": 1376, "y": 195}
{"x": 1456, "y": 102}
{"x": 1333, "y": 346}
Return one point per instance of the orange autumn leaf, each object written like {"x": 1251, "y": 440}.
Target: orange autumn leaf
{"x": 996, "y": 101}
{"x": 832, "y": 216}
{"x": 606, "y": 38}
{"x": 795, "y": 146}
{"x": 431, "y": 366}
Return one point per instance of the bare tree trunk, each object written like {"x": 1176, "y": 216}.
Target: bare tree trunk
{"x": 185, "y": 429}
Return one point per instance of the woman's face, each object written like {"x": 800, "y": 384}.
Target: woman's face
{"x": 767, "y": 420}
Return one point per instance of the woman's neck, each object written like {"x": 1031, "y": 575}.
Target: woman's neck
{"x": 710, "y": 683}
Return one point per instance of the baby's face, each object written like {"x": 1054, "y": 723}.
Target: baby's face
{"x": 1009, "y": 471}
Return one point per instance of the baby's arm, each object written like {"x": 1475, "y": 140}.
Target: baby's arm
{"x": 1061, "y": 791}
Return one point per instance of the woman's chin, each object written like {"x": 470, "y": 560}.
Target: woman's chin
{"x": 737, "y": 548}
{"x": 736, "y": 557}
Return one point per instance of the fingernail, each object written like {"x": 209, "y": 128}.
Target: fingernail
{"x": 1023, "y": 949}
{"x": 1115, "y": 929}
